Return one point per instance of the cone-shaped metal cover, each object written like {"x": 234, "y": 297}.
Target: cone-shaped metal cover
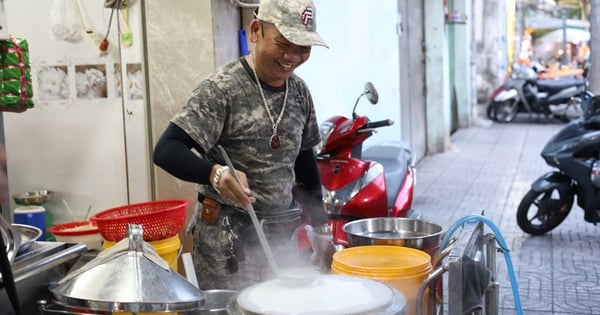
{"x": 128, "y": 279}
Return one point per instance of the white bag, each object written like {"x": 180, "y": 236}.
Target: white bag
{"x": 65, "y": 21}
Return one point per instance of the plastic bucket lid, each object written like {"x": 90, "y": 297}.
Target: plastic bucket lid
{"x": 382, "y": 260}
{"x": 29, "y": 209}
{"x": 402, "y": 268}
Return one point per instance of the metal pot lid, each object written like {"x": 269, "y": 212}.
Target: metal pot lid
{"x": 128, "y": 277}
{"x": 328, "y": 294}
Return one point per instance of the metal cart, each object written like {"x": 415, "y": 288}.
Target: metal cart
{"x": 463, "y": 276}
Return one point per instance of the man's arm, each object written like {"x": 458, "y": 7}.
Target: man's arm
{"x": 173, "y": 154}
{"x": 307, "y": 173}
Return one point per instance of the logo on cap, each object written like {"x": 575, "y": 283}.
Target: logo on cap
{"x": 307, "y": 16}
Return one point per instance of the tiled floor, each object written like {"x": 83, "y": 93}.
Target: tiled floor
{"x": 490, "y": 168}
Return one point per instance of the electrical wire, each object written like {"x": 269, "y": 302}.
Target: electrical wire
{"x": 112, "y": 12}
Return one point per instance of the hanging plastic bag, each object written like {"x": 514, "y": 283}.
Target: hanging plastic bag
{"x": 65, "y": 21}
{"x": 16, "y": 93}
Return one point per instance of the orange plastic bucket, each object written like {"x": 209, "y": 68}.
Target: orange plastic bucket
{"x": 402, "y": 268}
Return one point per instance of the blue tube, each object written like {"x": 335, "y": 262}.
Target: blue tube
{"x": 501, "y": 241}
{"x": 243, "y": 42}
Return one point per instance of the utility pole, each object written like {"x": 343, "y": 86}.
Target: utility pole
{"x": 594, "y": 75}
{"x": 563, "y": 14}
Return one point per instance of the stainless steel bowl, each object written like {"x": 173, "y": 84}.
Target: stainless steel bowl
{"x": 36, "y": 197}
{"x": 29, "y": 234}
{"x": 414, "y": 233}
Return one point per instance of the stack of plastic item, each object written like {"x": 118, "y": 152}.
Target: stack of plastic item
{"x": 16, "y": 93}
{"x": 162, "y": 220}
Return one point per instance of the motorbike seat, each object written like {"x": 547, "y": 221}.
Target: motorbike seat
{"x": 395, "y": 165}
{"x": 553, "y": 86}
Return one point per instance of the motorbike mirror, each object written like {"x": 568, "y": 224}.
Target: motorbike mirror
{"x": 371, "y": 93}
{"x": 372, "y": 96}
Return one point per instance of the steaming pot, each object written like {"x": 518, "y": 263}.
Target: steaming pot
{"x": 128, "y": 277}
{"x": 327, "y": 294}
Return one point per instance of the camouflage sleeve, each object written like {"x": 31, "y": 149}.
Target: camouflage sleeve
{"x": 204, "y": 114}
{"x": 310, "y": 135}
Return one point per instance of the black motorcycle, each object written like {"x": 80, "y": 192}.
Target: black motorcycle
{"x": 524, "y": 92}
{"x": 575, "y": 153}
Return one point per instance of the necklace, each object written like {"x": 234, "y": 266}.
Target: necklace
{"x": 275, "y": 140}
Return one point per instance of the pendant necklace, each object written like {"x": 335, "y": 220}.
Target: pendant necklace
{"x": 275, "y": 140}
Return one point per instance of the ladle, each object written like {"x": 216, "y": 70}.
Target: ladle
{"x": 261, "y": 235}
{"x": 69, "y": 209}
{"x": 292, "y": 276}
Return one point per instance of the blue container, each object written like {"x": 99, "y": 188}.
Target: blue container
{"x": 32, "y": 215}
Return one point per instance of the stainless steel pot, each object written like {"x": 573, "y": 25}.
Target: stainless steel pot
{"x": 414, "y": 233}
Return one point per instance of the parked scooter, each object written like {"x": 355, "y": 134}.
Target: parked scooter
{"x": 575, "y": 153}
{"x": 524, "y": 92}
{"x": 375, "y": 182}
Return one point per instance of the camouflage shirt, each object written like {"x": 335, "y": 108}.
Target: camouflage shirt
{"x": 227, "y": 109}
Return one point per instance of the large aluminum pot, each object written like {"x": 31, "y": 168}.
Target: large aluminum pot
{"x": 414, "y": 233}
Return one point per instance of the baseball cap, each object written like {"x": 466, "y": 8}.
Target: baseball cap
{"x": 294, "y": 19}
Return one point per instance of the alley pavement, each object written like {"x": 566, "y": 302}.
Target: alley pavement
{"x": 489, "y": 167}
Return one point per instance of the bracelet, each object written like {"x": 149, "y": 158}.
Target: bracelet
{"x": 217, "y": 177}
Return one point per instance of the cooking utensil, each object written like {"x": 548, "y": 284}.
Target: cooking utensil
{"x": 415, "y": 233}
{"x": 128, "y": 277}
{"x": 257, "y": 226}
{"x": 297, "y": 276}
{"x": 11, "y": 240}
{"x": 6, "y": 271}
{"x": 36, "y": 197}
{"x": 87, "y": 213}
{"x": 29, "y": 234}
{"x": 161, "y": 219}
{"x": 69, "y": 209}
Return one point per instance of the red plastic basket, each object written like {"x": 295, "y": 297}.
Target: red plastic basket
{"x": 159, "y": 219}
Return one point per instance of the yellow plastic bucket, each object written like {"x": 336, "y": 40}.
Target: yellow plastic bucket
{"x": 402, "y": 268}
{"x": 168, "y": 249}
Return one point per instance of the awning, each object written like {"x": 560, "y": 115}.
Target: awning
{"x": 541, "y": 22}
{"x": 572, "y": 35}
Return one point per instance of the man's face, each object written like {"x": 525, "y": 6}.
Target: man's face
{"x": 276, "y": 57}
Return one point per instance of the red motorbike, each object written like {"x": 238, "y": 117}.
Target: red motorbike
{"x": 375, "y": 182}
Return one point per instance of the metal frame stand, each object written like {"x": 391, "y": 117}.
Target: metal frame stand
{"x": 468, "y": 264}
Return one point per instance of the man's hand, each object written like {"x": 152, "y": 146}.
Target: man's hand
{"x": 227, "y": 186}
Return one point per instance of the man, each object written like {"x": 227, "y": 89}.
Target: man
{"x": 268, "y": 130}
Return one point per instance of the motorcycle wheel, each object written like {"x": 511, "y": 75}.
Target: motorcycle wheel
{"x": 542, "y": 211}
{"x": 505, "y": 111}
{"x": 490, "y": 111}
